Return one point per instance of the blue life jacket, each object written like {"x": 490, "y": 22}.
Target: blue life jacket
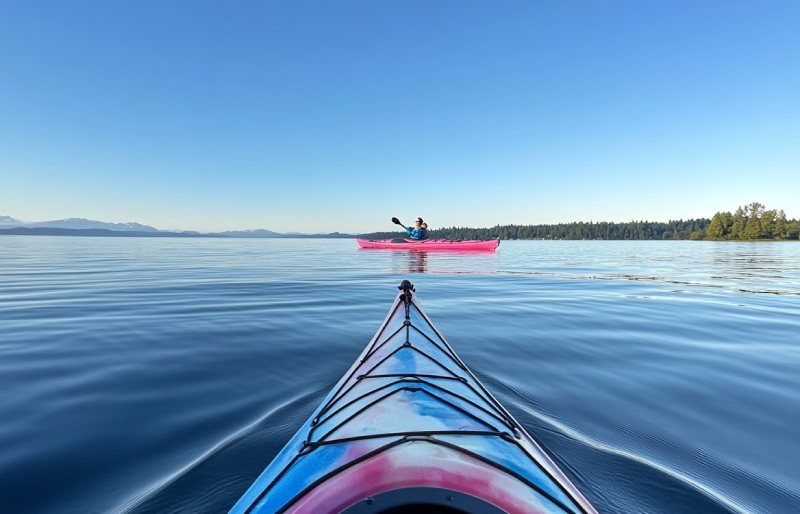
{"x": 417, "y": 234}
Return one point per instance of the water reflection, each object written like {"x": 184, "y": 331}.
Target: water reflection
{"x": 752, "y": 261}
{"x": 411, "y": 262}
{"x": 432, "y": 261}
{"x": 741, "y": 267}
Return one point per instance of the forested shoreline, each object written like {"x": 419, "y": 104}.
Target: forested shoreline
{"x": 751, "y": 222}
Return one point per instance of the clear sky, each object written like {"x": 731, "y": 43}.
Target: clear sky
{"x": 337, "y": 115}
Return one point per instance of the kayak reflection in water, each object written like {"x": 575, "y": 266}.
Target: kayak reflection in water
{"x": 419, "y": 231}
{"x": 417, "y": 262}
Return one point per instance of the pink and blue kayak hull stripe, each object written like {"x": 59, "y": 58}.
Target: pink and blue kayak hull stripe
{"x": 429, "y": 244}
{"x": 409, "y": 424}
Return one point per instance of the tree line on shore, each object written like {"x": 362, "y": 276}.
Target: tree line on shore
{"x": 747, "y": 223}
{"x": 752, "y": 222}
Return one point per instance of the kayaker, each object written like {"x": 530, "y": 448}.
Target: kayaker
{"x": 419, "y": 231}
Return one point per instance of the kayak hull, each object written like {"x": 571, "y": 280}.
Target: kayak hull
{"x": 409, "y": 424}
{"x": 429, "y": 244}
{"x": 422, "y": 465}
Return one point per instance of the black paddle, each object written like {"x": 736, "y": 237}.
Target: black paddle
{"x": 397, "y": 222}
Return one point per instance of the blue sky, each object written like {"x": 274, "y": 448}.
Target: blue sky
{"x": 322, "y": 116}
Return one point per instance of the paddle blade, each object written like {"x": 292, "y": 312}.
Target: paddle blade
{"x": 396, "y": 221}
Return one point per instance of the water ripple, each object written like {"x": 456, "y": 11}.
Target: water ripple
{"x": 163, "y": 375}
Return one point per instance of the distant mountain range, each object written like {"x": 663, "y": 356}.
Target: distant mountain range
{"x": 78, "y": 223}
{"x": 253, "y": 233}
{"x": 94, "y": 228}
{"x": 8, "y": 220}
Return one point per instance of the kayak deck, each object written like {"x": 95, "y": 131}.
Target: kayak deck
{"x": 410, "y": 425}
{"x": 429, "y": 244}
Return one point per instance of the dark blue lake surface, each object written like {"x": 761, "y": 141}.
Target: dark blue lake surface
{"x": 162, "y": 375}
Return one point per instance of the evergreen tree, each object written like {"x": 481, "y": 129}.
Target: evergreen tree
{"x": 727, "y": 223}
{"x": 793, "y": 230}
{"x": 752, "y": 229}
{"x": 716, "y": 229}
{"x": 781, "y": 228}
{"x": 768, "y": 224}
{"x": 738, "y": 225}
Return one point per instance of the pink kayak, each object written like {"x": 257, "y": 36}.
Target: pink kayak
{"x": 429, "y": 244}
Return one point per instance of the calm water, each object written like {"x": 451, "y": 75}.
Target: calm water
{"x": 162, "y": 375}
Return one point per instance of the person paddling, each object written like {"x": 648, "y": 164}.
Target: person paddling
{"x": 419, "y": 231}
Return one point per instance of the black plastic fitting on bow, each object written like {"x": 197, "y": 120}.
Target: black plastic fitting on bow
{"x": 406, "y": 287}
